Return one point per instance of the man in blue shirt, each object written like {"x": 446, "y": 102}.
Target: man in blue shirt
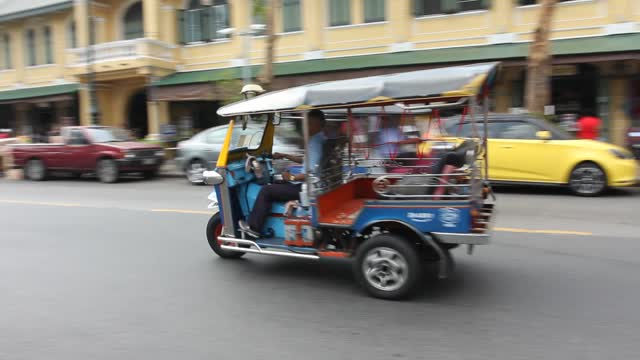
{"x": 290, "y": 190}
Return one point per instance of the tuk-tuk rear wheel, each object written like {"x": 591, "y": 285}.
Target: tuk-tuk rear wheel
{"x": 388, "y": 267}
{"x": 214, "y": 229}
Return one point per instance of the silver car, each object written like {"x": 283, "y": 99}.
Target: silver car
{"x": 200, "y": 153}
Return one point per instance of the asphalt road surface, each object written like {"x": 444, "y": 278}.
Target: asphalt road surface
{"x": 123, "y": 271}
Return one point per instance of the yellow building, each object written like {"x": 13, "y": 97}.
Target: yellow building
{"x": 164, "y": 61}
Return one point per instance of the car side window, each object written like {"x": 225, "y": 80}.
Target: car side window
{"x": 467, "y": 130}
{"x": 518, "y": 130}
{"x": 76, "y": 137}
{"x": 216, "y": 137}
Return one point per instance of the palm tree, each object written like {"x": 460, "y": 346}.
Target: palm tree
{"x": 538, "y": 88}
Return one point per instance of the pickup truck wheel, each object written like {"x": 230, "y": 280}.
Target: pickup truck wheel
{"x": 388, "y": 267}
{"x": 150, "y": 174}
{"x": 214, "y": 229}
{"x": 107, "y": 171}
{"x": 35, "y": 170}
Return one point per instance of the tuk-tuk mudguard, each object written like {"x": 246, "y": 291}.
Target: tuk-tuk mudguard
{"x": 446, "y": 262}
{"x": 425, "y": 217}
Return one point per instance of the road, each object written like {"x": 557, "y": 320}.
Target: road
{"x": 123, "y": 271}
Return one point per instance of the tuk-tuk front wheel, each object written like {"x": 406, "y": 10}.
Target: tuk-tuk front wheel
{"x": 214, "y": 229}
{"x": 388, "y": 267}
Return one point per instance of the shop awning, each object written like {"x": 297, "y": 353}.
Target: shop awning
{"x": 39, "y": 94}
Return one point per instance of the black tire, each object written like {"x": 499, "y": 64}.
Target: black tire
{"x": 214, "y": 228}
{"x": 107, "y": 171}
{"x": 35, "y": 170}
{"x": 194, "y": 171}
{"x": 588, "y": 179}
{"x": 387, "y": 257}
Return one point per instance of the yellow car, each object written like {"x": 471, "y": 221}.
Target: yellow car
{"x": 525, "y": 149}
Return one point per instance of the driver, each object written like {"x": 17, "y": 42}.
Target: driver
{"x": 290, "y": 190}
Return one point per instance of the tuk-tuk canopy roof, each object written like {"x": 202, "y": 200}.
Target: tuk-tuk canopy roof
{"x": 450, "y": 82}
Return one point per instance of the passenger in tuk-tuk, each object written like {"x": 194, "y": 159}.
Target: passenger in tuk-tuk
{"x": 290, "y": 189}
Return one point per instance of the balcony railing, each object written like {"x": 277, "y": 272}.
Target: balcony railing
{"x": 123, "y": 49}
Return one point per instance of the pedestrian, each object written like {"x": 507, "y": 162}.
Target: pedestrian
{"x": 589, "y": 126}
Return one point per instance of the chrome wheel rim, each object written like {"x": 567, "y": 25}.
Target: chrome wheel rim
{"x": 385, "y": 269}
{"x": 107, "y": 171}
{"x": 587, "y": 180}
{"x": 195, "y": 171}
{"x": 35, "y": 170}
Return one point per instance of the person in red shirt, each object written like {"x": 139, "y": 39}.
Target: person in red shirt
{"x": 589, "y": 126}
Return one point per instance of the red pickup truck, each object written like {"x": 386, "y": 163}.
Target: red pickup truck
{"x": 106, "y": 151}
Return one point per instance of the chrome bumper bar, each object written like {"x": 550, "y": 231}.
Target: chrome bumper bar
{"x": 256, "y": 249}
{"x": 468, "y": 239}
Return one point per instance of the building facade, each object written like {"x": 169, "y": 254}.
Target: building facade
{"x": 158, "y": 62}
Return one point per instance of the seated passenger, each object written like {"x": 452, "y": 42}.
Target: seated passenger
{"x": 290, "y": 190}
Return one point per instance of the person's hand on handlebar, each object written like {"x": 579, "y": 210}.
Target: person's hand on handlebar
{"x": 287, "y": 176}
{"x": 294, "y": 158}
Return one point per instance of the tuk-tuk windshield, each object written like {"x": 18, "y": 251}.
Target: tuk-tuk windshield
{"x": 250, "y": 137}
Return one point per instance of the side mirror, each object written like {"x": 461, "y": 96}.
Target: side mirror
{"x": 212, "y": 178}
{"x": 543, "y": 135}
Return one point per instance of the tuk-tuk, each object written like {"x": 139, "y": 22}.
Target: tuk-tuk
{"x": 391, "y": 211}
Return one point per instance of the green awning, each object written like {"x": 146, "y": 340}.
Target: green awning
{"x": 37, "y": 92}
{"x": 580, "y": 46}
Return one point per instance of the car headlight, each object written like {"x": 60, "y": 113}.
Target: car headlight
{"x": 160, "y": 153}
{"x": 129, "y": 155}
{"x": 621, "y": 154}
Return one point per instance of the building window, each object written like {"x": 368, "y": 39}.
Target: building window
{"x": 374, "y": 10}
{"x": 339, "y": 12}
{"x": 259, "y": 16}
{"x": 6, "y": 52}
{"x": 200, "y": 23}
{"x": 219, "y": 20}
{"x": 434, "y": 7}
{"x": 48, "y": 46}
{"x": 133, "y": 25}
{"x": 291, "y": 16}
{"x": 31, "y": 47}
{"x": 72, "y": 40}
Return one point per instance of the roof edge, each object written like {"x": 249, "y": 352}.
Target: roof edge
{"x": 37, "y": 11}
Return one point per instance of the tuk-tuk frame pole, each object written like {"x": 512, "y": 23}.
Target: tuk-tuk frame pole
{"x": 349, "y": 115}
{"x": 485, "y": 108}
{"x": 305, "y": 135}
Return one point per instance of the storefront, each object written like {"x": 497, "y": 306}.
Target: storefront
{"x": 35, "y": 112}
{"x": 192, "y": 107}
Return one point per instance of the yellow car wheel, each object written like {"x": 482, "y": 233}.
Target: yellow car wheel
{"x": 588, "y": 179}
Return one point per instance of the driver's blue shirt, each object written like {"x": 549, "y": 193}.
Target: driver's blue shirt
{"x": 314, "y": 153}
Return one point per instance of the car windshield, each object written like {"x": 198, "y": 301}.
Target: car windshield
{"x": 107, "y": 134}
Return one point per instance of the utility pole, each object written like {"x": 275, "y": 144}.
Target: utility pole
{"x": 94, "y": 107}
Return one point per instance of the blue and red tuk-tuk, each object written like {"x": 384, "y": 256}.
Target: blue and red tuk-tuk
{"x": 390, "y": 203}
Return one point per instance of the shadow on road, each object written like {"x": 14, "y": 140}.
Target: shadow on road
{"x": 333, "y": 277}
